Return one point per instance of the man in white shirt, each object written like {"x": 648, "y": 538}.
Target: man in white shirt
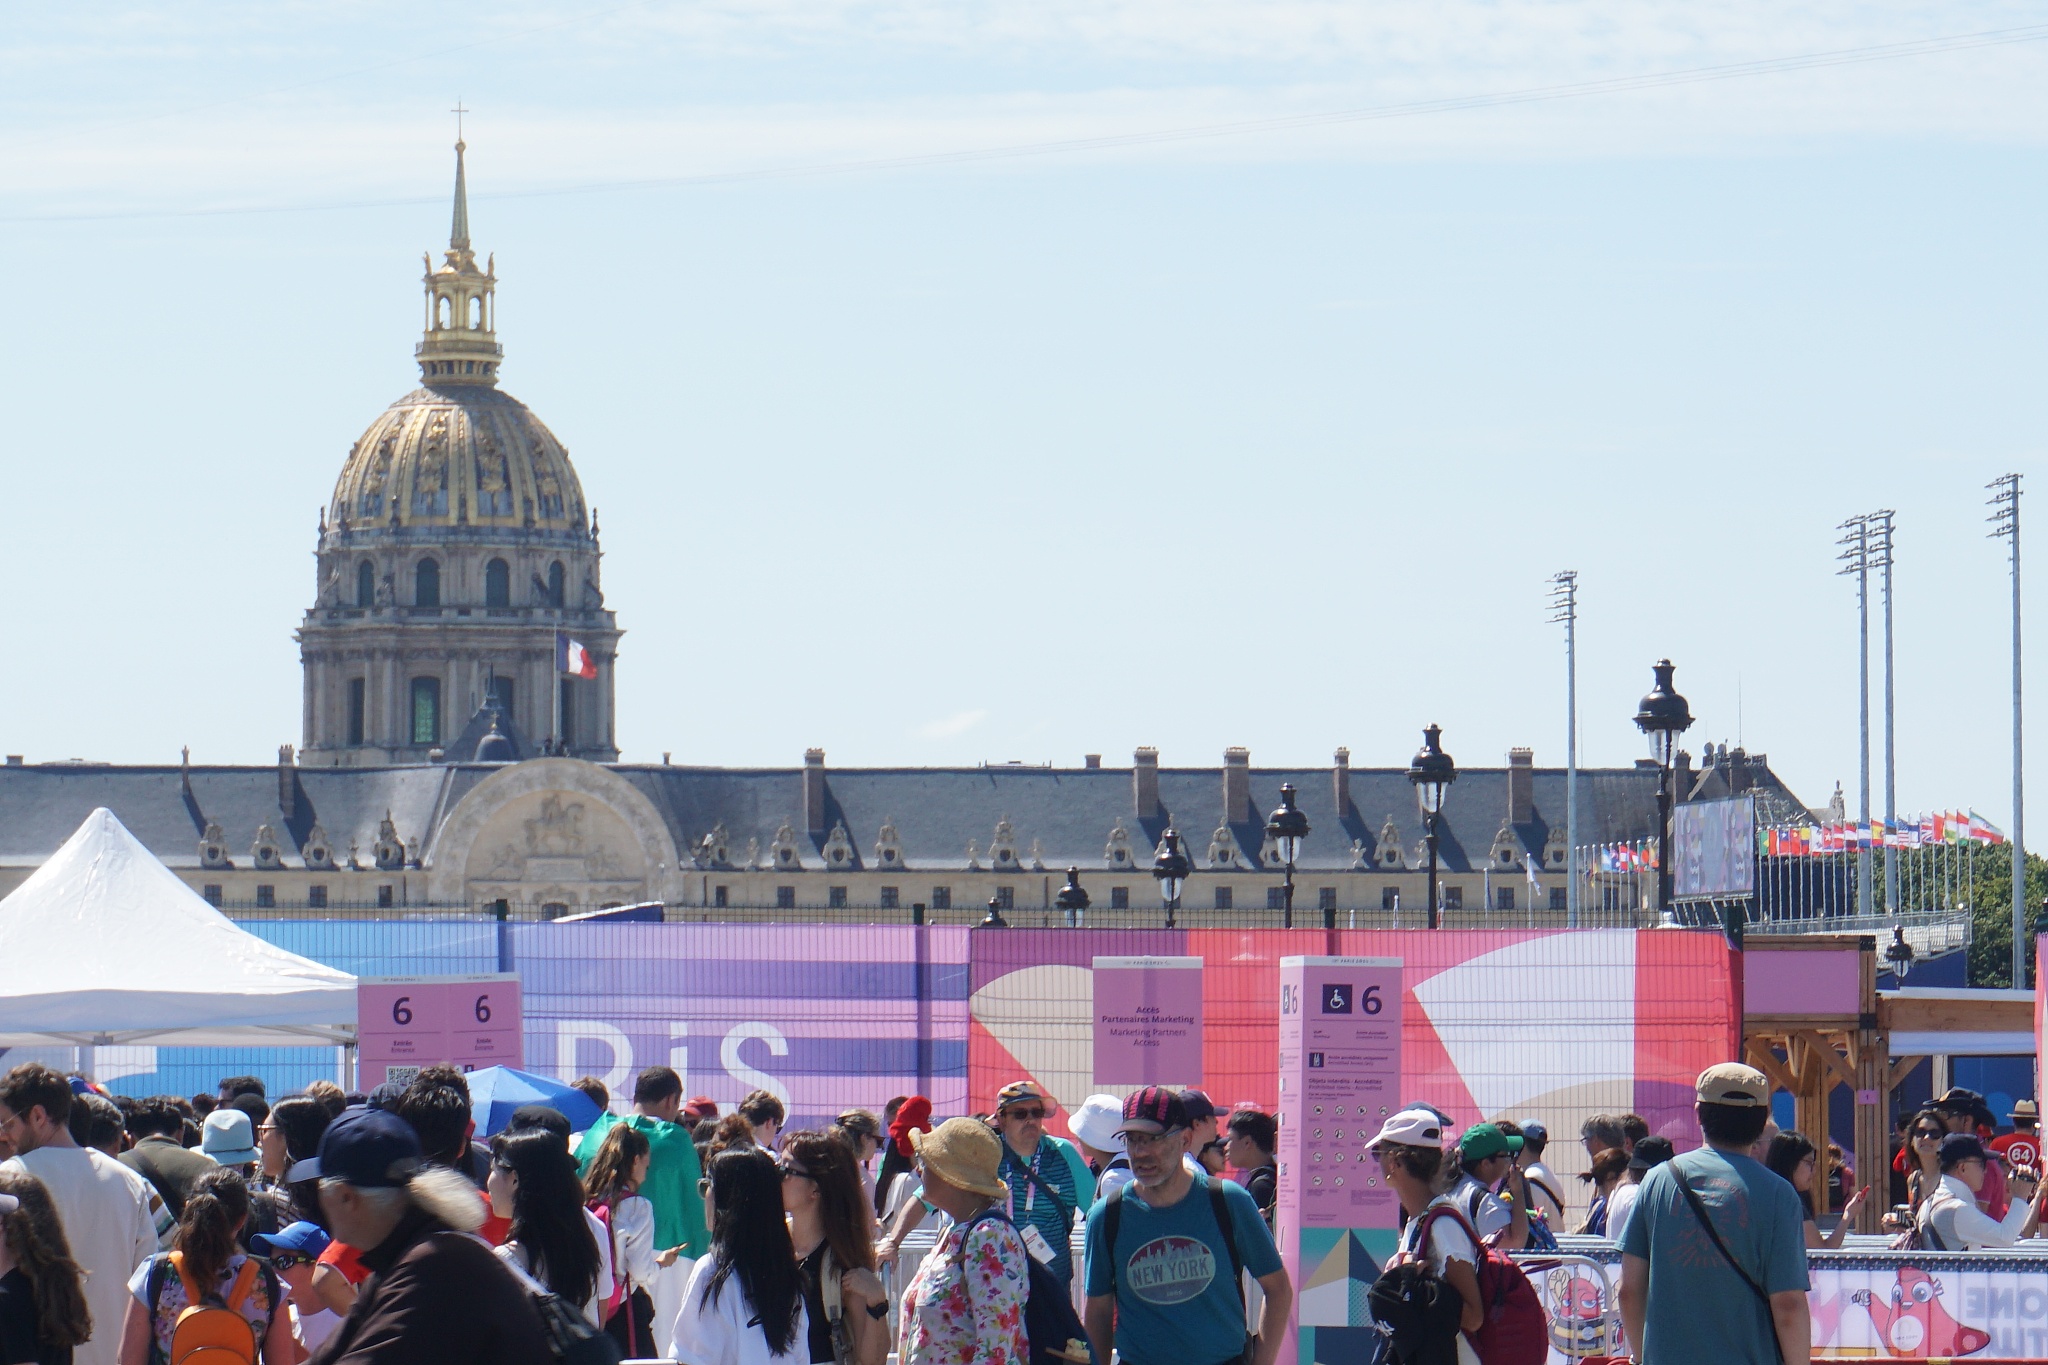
{"x": 103, "y": 1205}
{"x": 1487, "y": 1155}
{"x": 1952, "y": 1215}
{"x": 1546, "y": 1193}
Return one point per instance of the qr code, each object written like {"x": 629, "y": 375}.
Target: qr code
{"x": 401, "y": 1075}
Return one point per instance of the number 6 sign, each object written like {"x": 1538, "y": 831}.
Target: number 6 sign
{"x": 404, "y": 1023}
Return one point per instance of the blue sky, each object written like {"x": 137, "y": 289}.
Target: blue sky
{"x": 930, "y": 454}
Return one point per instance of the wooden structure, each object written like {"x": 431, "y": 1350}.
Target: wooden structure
{"x": 1811, "y": 1021}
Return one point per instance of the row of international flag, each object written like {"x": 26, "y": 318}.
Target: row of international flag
{"x": 1854, "y": 836}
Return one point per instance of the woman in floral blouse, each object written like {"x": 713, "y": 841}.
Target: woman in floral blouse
{"x": 965, "y": 1306}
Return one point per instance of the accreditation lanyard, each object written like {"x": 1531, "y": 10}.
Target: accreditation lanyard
{"x": 1030, "y": 1186}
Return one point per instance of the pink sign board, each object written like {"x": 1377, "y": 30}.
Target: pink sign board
{"x": 1340, "y": 1077}
{"x": 1148, "y": 1021}
{"x": 404, "y": 1023}
{"x": 1797, "y": 981}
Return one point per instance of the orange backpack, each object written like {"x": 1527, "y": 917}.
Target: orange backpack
{"x": 209, "y": 1334}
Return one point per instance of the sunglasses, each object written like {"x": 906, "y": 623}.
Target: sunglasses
{"x": 285, "y": 1260}
{"x": 1022, "y": 1113}
{"x": 789, "y": 1169}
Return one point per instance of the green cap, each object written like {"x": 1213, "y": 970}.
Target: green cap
{"x": 1483, "y": 1140}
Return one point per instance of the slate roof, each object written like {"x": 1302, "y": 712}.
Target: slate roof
{"x": 936, "y": 811}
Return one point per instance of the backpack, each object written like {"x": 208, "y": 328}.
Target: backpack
{"x": 1112, "y": 1221}
{"x": 1049, "y": 1318}
{"x": 1417, "y": 1313}
{"x": 212, "y": 1333}
{"x": 1516, "y": 1330}
{"x": 621, "y": 1285}
{"x": 568, "y": 1335}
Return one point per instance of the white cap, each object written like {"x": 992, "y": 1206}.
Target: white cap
{"x": 8, "y": 1204}
{"x": 1412, "y": 1128}
{"x": 1096, "y": 1123}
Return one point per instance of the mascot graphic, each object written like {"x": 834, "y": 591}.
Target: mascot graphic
{"x": 1582, "y": 1322}
{"x": 1914, "y": 1324}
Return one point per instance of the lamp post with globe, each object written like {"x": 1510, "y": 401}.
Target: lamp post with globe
{"x": 1432, "y": 772}
{"x": 1663, "y": 716}
{"x": 1287, "y": 827}
{"x": 1171, "y": 867}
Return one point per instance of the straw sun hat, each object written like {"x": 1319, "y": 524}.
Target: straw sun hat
{"x": 964, "y": 1152}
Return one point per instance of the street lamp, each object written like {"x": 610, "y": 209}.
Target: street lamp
{"x": 1663, "y": 716}
{"x": 1287, "y": 827}
{"x": 1431, "y": 772}
{"x": 1171, "y": 868}
{"x": 994, "y": 919}
{"x": 1898, "y": 955}
{"x": 1072, "y": 898}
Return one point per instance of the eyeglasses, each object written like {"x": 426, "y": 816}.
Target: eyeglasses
{"x": 1034, "y": 1113}
{"x": 789, "y": 1169}
{"x": 1134, "y": 1142}
{"x": 285, "y": 1260}
{"x": 269, "y": 1128}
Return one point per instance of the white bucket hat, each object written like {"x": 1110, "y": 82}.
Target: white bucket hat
{"x": 1096, "y": 1123}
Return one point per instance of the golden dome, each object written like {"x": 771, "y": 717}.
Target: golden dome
{"x": 458, "y": 452}
{"x": 458, "y": 455}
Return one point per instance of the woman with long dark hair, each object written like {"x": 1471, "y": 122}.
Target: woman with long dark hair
{"x": 898, "y": 1156}
{"x": 206, "y": 1266}
{"x": 42, "y": 1290}
{"x": 533, "y": 1182}
{"x": 745, "y": 1300}
{"x": 612, "y": 1188}
{"x": 1923, "y": 1156}
{"x": 1792, "y": 1156}
{"x": 833, "y": 1237}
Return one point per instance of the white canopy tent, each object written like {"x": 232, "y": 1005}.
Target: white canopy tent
{"x": 103, "y": 946}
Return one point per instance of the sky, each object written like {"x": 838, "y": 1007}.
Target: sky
{"x": 970, "y": 382}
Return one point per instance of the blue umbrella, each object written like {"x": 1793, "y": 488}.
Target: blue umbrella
{"x": 495, "y": 1091}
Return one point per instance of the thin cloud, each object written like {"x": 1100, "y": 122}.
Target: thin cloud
{"x": 952, "y": 726}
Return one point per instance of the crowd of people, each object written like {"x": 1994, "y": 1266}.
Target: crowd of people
{"x": 383, "y": 1229}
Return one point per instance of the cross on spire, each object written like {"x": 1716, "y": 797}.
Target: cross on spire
{"x": 458, "y": 111}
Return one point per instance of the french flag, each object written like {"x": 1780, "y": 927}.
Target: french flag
{"x": 572, "y": 659}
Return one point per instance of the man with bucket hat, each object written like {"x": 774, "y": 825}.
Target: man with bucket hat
{"x": 1713, "y": 1261}
{"x": 1167, "y": 1253}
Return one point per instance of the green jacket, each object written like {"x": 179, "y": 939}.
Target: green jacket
{"x": 671, "y": 1184}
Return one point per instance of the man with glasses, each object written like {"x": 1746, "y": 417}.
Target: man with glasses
{"x": 1166, "y": 1254}
{"x": 294, "y": 1251}
{"x": 1048, "y": 1180}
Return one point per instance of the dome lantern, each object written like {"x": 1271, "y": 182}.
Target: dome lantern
{"x": 461, "y": 342}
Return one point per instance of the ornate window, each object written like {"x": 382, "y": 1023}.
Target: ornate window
{"x": 358, "y": 689}
{"x": 426, "y": 710}
{"x": 426, "y": 583}
{"x": 497, "y": 584}
{"x": 366, "y": 584}
{"x": 557, "y": 584}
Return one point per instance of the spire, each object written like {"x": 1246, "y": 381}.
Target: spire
{"x": 458, "y": 232}
{"x": 461, "y": 343}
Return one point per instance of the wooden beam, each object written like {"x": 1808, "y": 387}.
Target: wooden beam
{"x": 1824, "y": 1052}
{"x": 1774, "y": 1070}
{"x": 1901, "y": 1069}
{"x": 1906, "y": 1015}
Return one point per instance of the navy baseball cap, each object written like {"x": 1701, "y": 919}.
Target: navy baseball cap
{"x": 368, "y": 1148}
{"x": 1198, "y": 1104}
{"x": 1155, "y": 1109}
{"x": 304, "y": 1238}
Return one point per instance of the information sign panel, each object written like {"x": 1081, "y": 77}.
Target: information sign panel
{"x": 404, "y": 1023}
{"x": 1340, "y": 1077}
{"x": 1148, "y": 1021}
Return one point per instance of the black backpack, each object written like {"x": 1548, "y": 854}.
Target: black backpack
{"x": 1050, "y": 1321}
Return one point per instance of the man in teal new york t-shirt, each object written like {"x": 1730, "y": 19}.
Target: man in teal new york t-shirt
{"x": 1164, "y": 1293}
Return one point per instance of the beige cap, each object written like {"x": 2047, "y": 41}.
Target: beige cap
{"x": 963, "y": 1152}
{"x": 1735, "y": 1085}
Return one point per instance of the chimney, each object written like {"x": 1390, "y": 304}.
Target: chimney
{"x": 814, "y": 791}
{"x": 1521, "y": 786}
{"x": 1145, "y": 783}
{"x": 1340, "y": 782}
{"x": 1237, "y": 783}
{"x": 1091, "y": 761}
{"x": 287, "y": 783}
